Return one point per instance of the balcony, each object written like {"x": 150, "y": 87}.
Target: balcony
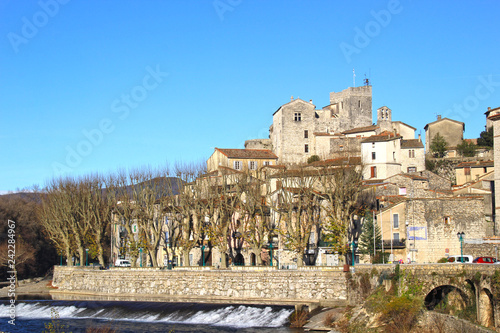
{"x": 396, "y": 244}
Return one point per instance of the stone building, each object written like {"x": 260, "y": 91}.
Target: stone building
{"x": 388, "y": 154}
{"x": 451, "y": 130}
{"x": 241, "y": 159}
{"x": 424, "y": 230}
{"x": 472, "y": 171}
{"x": 300, "y": 130}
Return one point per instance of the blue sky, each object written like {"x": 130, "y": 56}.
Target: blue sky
{"x": 93, "y": 86}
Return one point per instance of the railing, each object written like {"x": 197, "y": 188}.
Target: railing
{"x": 396, "y": 244}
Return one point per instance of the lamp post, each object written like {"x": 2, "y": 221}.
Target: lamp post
{"x": 353, "y": 249}
{"x": 271, "y": 251}
{"x": 460, "y": 236}
{"x": 140, "y": 257}
{"x": 87, "y": 259}
{"x": 203, "y": 254}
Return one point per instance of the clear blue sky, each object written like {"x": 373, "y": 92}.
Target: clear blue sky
{"x": 128, "y": 83}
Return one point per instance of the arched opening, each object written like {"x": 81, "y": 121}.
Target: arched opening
{"x": 239, "y": 260}
{"x": 486, "y": 314}
{"x": 447, "y": 299}
{"x": 253, "y": 259}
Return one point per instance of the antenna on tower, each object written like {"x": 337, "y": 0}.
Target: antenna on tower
{"x": 366, "y": 81}
{"x": 353, "y": 78}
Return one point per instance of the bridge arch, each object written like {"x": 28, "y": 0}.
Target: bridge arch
{"x": 486, "y": 306}
{"x": 451, "y": 295}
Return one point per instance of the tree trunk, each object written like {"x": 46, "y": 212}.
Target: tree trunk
{"x": 185, "y": 257}
{"x": 69, "y": 261}
{"x": 223, "y": 258}
{"x": 300, "y": 259}
{"x": 100, "y": 250}
{"x": 258, "y": 258}
{"x": 154, "y": 261}
{"x": 81, "y": 253}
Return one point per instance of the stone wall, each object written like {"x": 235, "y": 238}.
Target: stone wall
{"x": 274, "y": 286}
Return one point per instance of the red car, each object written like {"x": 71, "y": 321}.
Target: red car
{"x": 485, "y": 260}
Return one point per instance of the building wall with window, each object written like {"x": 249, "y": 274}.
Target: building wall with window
{"x": 472, "y": 171}
{"x": 241, "y": 159}
{"x": 297, "y": 124}
{"x": 412, "y": 155}
{"x": 381, "y": 156}
{"x": 430, "y": 226}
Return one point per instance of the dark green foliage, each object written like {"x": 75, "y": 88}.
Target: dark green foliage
{"x": 438, "y": 145}
{"x": 313, "y": 158}
{"x": 466, "y": 149}
{"x": 366, "y": 238}
{"x": 486, "y": 138}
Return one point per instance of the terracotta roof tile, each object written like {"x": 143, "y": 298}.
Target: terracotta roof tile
{"x": 361, "y": 129}
{"x": 412, "y": 143}
{"x": 384, "y": 136}
{"x": 248, "y": 153}
{"x": 475, "y": 164}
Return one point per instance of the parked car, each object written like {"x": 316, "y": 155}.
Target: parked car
{"x": 458, "y": 259}
{"x": 485, "y": 260}
{"x": 123, "y": 263}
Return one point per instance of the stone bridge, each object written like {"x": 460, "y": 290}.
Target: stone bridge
{"x": 475, "y": 287}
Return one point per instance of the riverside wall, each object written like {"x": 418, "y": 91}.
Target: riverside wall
{"x": 320, "y": 287}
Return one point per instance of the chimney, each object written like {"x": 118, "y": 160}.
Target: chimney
{"x": 291, "y": 98}
{"x": 439, "y": 117}
{"x": 419, "y": 138}
{"x": 311, "y": 101}
{"x": 489, "y": 108}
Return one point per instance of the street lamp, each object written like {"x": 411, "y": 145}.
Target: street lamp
{"x": 140, "y": 257}
{"x": 203, "y": 255}
{"x": 460, "y": 236}
{"x": 353, "y": 249}
{"x": 87, "y": 260}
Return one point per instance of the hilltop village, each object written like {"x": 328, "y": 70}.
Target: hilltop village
{"x": 421, "y": 202}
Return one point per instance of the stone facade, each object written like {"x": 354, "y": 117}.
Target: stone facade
{"x": 451, "y": 130}
{"x": 297, "y": 124}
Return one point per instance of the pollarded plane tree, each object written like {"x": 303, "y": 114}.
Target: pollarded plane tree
{"x": 297, "y": 204}
{"x": 95, "y": 209}
{"x": 254, "y": 223}
{"x": 188, "y": 208}
{"x": 340, "y": 184}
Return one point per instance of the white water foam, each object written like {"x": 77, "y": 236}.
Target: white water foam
{"x": 234, "y": 316}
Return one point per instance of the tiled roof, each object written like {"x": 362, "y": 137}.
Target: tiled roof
{"x": 409, "y": 175}
{"x": 337, "y": 161}
{"x": 475, "y": 164}
{"x": 443, "y": 119}
{"x": 412, "y": 143}
{"x": 248, "y": 153}
{"x": 361, "y": 129}
{"x": 384, "y": 136}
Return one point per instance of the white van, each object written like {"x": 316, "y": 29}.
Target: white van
{"x": 458, "y": 259}
{"x": 122, "y": 263}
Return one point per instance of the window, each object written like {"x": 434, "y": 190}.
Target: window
{"x": 306, "y": 148}
{"x": 447, "y": 220}
{"x": 485, "y": 170}
{"x": 373, "y": 170}
{"x": 359, "y": 103}
{"x": 374, "y": 155}
{"x": 394, "y": 155}
{"x": 252, "y": 165}
{"x": 373, "y": 144}
{"x": 341, "y": 148}
{"x": 411, "y": 153}
{"x": 306, "y": 134}
{"x": 395, "y": 220}
{"x": 297, "y": 116}
{"x": 266, "y": 163}
{"x": 467, "y": 171}
{"x": 237, "y": 165}
{"x": 395, "y": 236}
{"x": 412, "y": 169}
{"x": 402, "y": 191}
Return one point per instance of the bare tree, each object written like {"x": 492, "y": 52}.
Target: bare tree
{"x": 297, "y": 205}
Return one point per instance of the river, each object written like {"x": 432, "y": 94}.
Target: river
{"x": 77, "y": 316}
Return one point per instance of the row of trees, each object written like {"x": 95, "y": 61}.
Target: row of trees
{"x": 180, "y": 208}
